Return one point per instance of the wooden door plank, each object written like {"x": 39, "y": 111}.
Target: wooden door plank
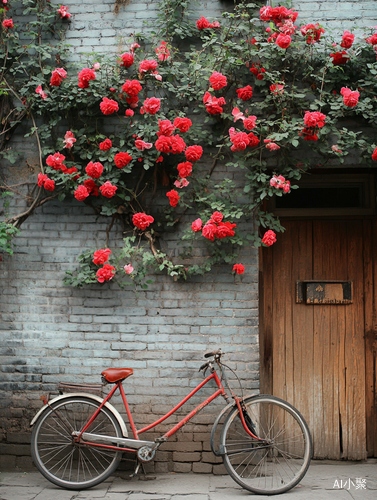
{"x": 280, "y": 258}
{"x": 355, "y": 347}
{"x": 369, "y": 335}
{"x": 302, "y": 321}
{"x": 289, "y": 294}
{"x": 266, "y": 320}
{"x": 321, "y": 327}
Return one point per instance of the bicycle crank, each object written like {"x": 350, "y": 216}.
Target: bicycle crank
{"x": 145, "y": 453}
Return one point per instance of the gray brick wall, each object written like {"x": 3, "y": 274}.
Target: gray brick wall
{"x": 51, "y": 333}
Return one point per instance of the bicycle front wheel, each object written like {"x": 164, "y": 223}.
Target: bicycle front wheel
{"x": 278, "y": 462}
{"x": 61, "y": 460}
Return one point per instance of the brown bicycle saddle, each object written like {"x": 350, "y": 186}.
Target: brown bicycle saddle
{"x": 115, "y": 374}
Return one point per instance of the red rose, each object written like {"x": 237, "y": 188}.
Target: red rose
{"x": 92, "y": 187}
{"x": 217, "y": 217}
{"x": 265, "y": 13}
{"x": 132, "y": 101}
{"x": 127, "y": 59}
{"x": 131, "y": 87}
{"x": 165, "y": 128}
{"x": 177, "y": 144}
{"x": 183, "y": 124}
{"x": 240, "y": 141}
{"x": 107, "y": 189}
{"x": 57, "y": 77}
{"x": 277, "y": 89}
{"x": 163, "y": 144}
{"x": 309, "y": 134}
{"x": 283, "y": 41}
{"x": 49, "y": 185}
{"x": 41, "y": 179}
{"x": 108, "y": 106}
{"x": 101, "y": 256}
{"x": 314, "y": 119}
{"x": 152, "y": 105}
{"x": 55, "y": 161}
{"x": 142, "y": 221}
{"x": 312, "y": 32}
{"x": 173, "y": 197}
{"x": 374, "y": 155}
{"x": 217, "y": 80}
{"x": 184, "y": 169}
{"x": 254, "y": 141}
{"x": 94, "y": 170}
{"x": 8, "y": 23}
{"x": 225, "y": 229}
{"x": 249, "y": 122}
{"x": 239, "y": 268}
{"x": 347, "y": 40}
{"x": 147, "y": 65}
{"x": 245, "y": 93}
{"x": 350, "y": 98}
{"x": 129, "y": 112}
{"x": 81, "y": 193}
{"x": 202, "y": 23}
{"x": 194, "y": 153}
{"x": 85, "y": 76}
{"x": 372, "y": 39}
{"x": 197, "y": 225}
{"x": 106, "y": 273}
{"x": 340, "y": 58}
{"x": 122, "y": 159}
{"x": 209, "y": 231}
{"x": 72, "y": 170}
{"x": 269, "y": 238}
{"x": 105, "y": 145}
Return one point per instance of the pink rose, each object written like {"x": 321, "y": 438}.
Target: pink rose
{"x": 69, "y": 140}
{"x": 128, "y": 269}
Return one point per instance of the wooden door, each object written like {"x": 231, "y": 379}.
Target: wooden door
{"x": 322, "y": 357}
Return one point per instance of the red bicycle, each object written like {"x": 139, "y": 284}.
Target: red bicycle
{"x": 78, "y": 439}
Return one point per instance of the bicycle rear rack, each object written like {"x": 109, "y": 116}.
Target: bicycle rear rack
{"x": 65, "y": 387}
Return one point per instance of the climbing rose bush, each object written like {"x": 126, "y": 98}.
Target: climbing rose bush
{"x": 161, "y": 131}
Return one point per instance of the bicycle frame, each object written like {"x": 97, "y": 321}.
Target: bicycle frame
{"x": 173, "y": 430}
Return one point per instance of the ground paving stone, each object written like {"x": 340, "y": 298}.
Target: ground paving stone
{"x": 318, "y": 484}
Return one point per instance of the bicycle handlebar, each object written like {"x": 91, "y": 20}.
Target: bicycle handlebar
{"x": 217, "y": 353}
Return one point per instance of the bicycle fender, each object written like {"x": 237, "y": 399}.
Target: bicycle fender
{"x": 219, "y": 453}
{"x": 109, "y": 406}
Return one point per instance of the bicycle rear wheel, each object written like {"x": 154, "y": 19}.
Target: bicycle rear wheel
{"x": 275, "y": 465}
{"x": 65, "y": 463}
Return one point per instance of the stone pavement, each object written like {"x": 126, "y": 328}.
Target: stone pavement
{"x": 318, "y": 484}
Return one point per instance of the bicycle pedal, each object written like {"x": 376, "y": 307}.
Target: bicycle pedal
{"x": 161, "y": 440}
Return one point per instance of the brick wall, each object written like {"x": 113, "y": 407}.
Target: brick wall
{"x": 51, "y": 333}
